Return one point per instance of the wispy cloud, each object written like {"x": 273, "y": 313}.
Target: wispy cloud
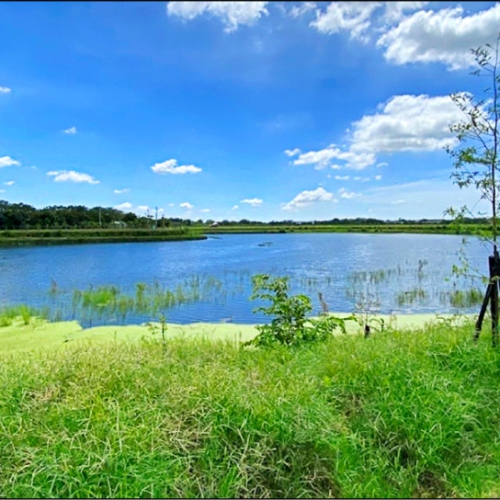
{"x": 9, "y": 183}
{"x": 127, "y": 206}
{"x": 205, "y": 210}
{"x": 232, "y": 14}
{"x": 254, "y": 202}
{"x": 346, "y": 194}
{"x": 235, "y": 207}
{"x": 7, "y": 161}
{"x": 120, "y": 191}
{"x": 5, "y": 90}
{"x": 70, "y": 131}
{"x": 186, "y": 205}
{"x": 71, "y": 176}
{"x": 170, "y": 167}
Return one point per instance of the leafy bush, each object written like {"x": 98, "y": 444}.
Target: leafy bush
{"x": 290, "y": 325}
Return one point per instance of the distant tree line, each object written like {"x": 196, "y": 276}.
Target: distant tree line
{"x": 23, "y": 216}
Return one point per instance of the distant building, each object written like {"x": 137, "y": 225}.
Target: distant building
{"x": 214, "y": 224}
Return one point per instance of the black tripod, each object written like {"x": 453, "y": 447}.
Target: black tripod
{"x": 491, "y": 296}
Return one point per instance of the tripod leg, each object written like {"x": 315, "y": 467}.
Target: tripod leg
{"x": 479, "y": 322}
{"x": 494, "y": 314}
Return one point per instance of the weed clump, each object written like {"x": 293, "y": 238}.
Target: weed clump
{"x": 290, "y": 325}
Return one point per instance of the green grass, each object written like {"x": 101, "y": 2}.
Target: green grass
{"x": 402, "y": 414}
{"x": 76, "y": 236}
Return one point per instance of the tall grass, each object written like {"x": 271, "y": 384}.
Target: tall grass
{"x": 403, "y": 414}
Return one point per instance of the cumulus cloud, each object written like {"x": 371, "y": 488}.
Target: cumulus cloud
{"x": 71, "y": 176}
{"x": 341, "y": 177}
{"x": 444, "y": 36}
{"x": 7, "y": 161}
{"x": 143, "y": 208}
{"x": 186, "y": 205}
{"x": 124, "y": 206}
{"x": 235, "y": 207}
{"x": 120, "y": 191}
{"x": 307, "y": 198}
{"x": 70, "y": 131}
{"x": 407, "y": 123}
{"x": 254, "y": 202}
{"x": 232, "y": 14}
{"x": 5, "y": 90}
{"x": 323, "y": 158}
{"x": 9, "y": 183}
{"x": 170, "y": 167}
{"x": 403, "y": 123}
{"x": 378, "y": 177}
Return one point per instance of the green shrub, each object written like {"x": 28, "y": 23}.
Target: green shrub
{"x": 290, "y": 325}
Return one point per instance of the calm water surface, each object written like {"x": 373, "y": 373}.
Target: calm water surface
{"x": 328, "y": 263}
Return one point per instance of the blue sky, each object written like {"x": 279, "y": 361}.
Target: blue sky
{"x": 232, "y": 110}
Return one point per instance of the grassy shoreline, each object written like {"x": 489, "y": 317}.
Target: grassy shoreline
{"x": 407, "y": 413}
{"x": 21, "y": 237}
{"x": 83, "y": 236}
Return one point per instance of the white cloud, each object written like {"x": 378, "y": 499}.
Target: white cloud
{"x": 254, "y": 202}
{"x": 171, "y": 204}
{"x": 398, "y": 202}
{"x": 349, "y": 16}
{"x": 143, "y": 208}
{"x": 124, "y": 206}
{"x": 5, "y": 90}
{"x": 205, "y": 210}
{"x": 170, "y": 167}
{"x": 292, "y": 152}
{"x": 307, "y": 198}
{"x": 444, "y": 36}
{"x": 342, "y": 177}
{"x": 323, "y": 158}
{"x": 303, "y": 9}
{"x": 120, "y": 191}
{"x": 9, "y": 183}
{"x": 235, "y": 207}
{"x": 71, "y": 176}
{"x": 70, "y": 131}
{"x": 346, "y": 194}
{"x": 7, "y": 161}
{"x": 407, "y": 123}
{"x": 232, "y": 14}
{"x": 378, "y": 177}
{"x": 395, "y": 11}
{"x": 186, "y": 205}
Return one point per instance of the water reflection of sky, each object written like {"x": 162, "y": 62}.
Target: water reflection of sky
{"x": 332, "y": 264}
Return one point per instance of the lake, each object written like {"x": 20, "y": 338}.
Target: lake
{"x": 384, "y": 270}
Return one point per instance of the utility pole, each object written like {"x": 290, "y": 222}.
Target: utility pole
{"x": 156, "y": 217}
{"x": 100, "y": 224}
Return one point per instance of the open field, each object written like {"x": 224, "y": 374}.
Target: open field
{"x": 409, "y": 412}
